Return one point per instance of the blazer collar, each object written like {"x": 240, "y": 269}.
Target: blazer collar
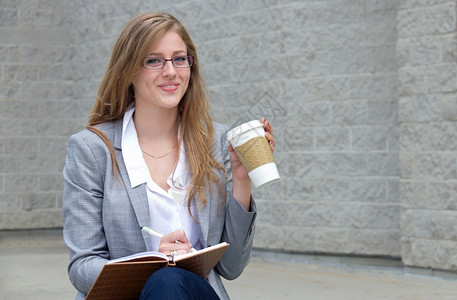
{"x": 117, "y": 143}
{"x": 137, "y": 195}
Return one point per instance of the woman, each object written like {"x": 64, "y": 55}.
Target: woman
{"x": 151, "y": 156}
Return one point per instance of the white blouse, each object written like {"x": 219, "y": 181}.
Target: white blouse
{"x": 168, "y": 210}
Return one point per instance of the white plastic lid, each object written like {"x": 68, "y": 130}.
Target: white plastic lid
{"x": 243, "y": 128}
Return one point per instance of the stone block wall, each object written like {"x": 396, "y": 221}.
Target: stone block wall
{"x": 427, "y": 90}
{"x": 332, "y": 67}
{"x": 361, "y": 94}
{"x": 36, "y": 96}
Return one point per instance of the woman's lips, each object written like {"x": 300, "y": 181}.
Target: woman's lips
{"x": 169, "y": 87}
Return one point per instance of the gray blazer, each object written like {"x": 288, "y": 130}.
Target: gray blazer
{"x": 102, "y": 217}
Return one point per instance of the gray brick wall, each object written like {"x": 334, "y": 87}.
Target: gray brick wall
{"x": 331, "y": 65}
{"x": 36, "y": 90}
{"x": 361, "y": 94}
{"x": 427, "y": 72}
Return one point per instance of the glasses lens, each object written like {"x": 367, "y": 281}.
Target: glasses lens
{"x": 153, "y": 63}
{"x": 182, "y": 62}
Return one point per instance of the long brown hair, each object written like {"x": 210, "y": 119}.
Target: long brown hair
{"x": 116, "y": 94}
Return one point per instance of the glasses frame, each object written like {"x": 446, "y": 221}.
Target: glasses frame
{"x": 190, "y": 59}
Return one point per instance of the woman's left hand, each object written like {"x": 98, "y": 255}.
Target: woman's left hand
{"x": 238, "y": 170}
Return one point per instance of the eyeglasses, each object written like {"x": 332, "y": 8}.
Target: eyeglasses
{"x": 157, "y": 63}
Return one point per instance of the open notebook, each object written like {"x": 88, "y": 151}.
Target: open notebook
{"x": 124, "y": 278}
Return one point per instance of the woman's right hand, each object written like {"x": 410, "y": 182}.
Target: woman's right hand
{"x": 175, "y": 243}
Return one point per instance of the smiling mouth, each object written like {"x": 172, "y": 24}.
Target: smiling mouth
{"x": 169, "y": 87}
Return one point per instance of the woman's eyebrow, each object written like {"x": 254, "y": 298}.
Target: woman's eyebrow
{"x": 174, "y": 53}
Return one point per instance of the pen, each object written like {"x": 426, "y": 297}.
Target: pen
{"x": 160, "y": 235}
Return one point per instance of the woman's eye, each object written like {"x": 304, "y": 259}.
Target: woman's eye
{"x": 153, "y": 60}
{"x": 180, "y": 59}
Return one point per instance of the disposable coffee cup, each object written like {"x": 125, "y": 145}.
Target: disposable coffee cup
{"x": 251, "y": 147}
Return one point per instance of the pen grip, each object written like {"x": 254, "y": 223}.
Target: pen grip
{"x": 160, "y": 235}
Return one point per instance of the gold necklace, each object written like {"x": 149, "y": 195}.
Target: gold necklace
{"x": 160, "y": 156}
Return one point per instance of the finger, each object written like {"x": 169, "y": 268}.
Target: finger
{"x": 178, "y": 248}
{"x": 178, "y": 252}
{"x": 178, "y": 235}
{"x": 168, "y": 248}
{"x": 268, "y": 127}
{"x": 181, "y": 252}
{"x": 271, "y": 141}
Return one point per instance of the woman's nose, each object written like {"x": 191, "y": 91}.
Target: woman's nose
{"x": 168, "y": 69}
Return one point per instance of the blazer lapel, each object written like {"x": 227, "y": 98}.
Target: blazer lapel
{"x": 137, "y": 195}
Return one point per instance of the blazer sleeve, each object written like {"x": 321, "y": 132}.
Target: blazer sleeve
{"x": 82, "y": 210}
{"x": 238, "y": 227}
